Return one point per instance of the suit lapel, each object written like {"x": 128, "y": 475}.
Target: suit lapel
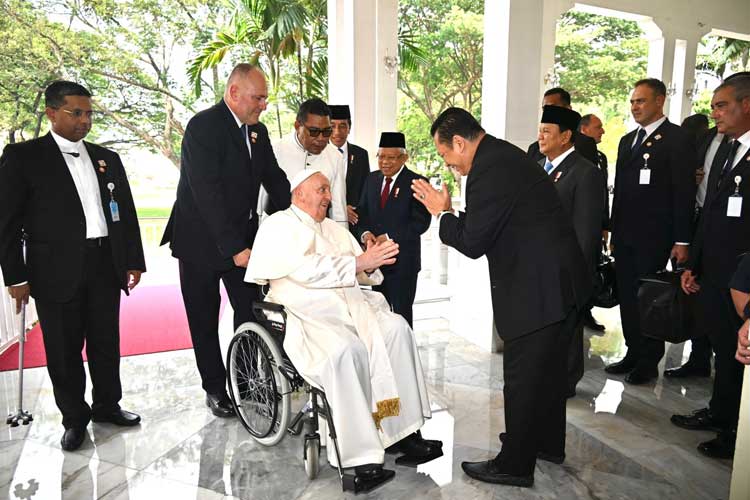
{"x": 101, "y": 171}
{"x": 562, "y": 169}
{"x": 626, "y": 148}
{"x": 234, "y": 131}
{"x": 56, "y": 161}
{"x": 648, "y": 142}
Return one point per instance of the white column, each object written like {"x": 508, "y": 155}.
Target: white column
{"x": 359, "y": 36}
{"x": 740, "y": 486}
{"x": 519, "y": 48}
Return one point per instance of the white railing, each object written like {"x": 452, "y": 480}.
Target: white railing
{"x": 10, "y": 322}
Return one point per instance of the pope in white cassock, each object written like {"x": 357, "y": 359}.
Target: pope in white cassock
{"x": 341, "y": 338}
{"x": 308, "y": 148}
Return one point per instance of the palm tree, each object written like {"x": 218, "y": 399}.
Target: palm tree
{"x": 274, "y": 29}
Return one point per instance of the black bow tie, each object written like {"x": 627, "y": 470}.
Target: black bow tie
{"x": 71, "y": 153}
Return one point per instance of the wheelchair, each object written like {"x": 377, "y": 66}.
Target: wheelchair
{"x": 261, "y": 381}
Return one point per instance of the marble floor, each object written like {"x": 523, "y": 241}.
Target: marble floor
{"x": 620, "y": 443}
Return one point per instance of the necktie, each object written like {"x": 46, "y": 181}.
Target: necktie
{"x": 386, "y": 191}
{"x": 639, "y": 139}
{"x": 548, "y": 166}
{"x": 730, "y": 158}
{"x": 341, "y": 150}
{"x": 71, "y": 153}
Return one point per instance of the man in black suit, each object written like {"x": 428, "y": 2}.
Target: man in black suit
{"x": 591, "y": 126}
{"x": 538, "y": 277}
{"x": 226, "y": 156}
{"x": 585, "y": 146}
{"x": 72, "y": 200}
{"x": 722, "y": 237}
{"x": 652, "y": 216}
{"x": 580, "y": 185}
{"x": 388, "y": 211}
{"x": 357, "y": 161}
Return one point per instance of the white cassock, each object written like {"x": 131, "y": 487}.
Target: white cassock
{"x": 293, "y": 158}
{"x": 341, "y": 338}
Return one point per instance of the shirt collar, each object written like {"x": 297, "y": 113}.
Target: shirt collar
{"x": 557, "y": 161}
{"x": 302, "y": 148}
{"x": 66, "y": 145}
{"x": 650, "y": 128}
{"x": 236, "y": 119}
{"x": 745, "y": 139}
{"x": 395, "y": 176}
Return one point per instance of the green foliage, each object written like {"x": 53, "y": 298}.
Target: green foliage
{"x": 722, "y": 56}
{"x": 441, "y": 66}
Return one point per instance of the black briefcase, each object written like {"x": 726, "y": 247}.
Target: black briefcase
{"x": 665, "y": 310}
{"x": 605, "y": 285}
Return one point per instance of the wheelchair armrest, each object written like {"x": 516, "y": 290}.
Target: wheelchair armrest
{"x": 271, "y": 314}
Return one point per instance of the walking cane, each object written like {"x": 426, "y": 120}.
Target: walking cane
{"x": 21, "y": 416}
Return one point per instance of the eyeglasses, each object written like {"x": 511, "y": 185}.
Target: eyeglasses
{"x": 78, "y": 113}
{"x": 315, "y": 132}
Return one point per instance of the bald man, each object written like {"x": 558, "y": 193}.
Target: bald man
{"x": 226, "y": 156}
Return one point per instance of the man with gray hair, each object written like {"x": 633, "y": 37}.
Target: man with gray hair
{"x": 342, "y": 338}
{"x": 226, "y": 156}
{"x": 722, "y": 237}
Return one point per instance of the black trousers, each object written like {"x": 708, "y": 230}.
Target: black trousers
{"x": 535, "y": 368}
{"x": 399, "y": 289}
{"x": 575, "y": 358}
{"x": 719, "y": 310}
{"x": 93, "y": 316}
{"x": 200, "y": 293}
{"x": 632, "y": 264}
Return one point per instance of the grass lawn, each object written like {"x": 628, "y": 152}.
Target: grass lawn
{"x": 153, "y": 212}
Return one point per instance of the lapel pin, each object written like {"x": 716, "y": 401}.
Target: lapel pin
{"x": 657, "y": 136}
{"x": 253, "y": 137}
{"x": 351, "y": 158}
{"x": 557, "y": 176}
{"x": 102, "y": 166}
{"x": 648, "y": 144}
{"x": 748, "y": 158}
{"x": 395, "y": 193}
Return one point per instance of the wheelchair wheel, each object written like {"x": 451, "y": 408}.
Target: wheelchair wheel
{"x": 259, "y": 392}
{"x": 312, "y": 456}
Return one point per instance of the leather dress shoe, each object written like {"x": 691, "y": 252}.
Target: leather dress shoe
{"x": 220, "y": 405}
{"x": 73, "y": 438}
{"x": 489, "y": 473}
{"x": 640, "y": 377}
{"x": 699, "y": 420}
{"x": 688, "y": 370}
{"x": 720, "y": 447}
{"x": 118, "y": 417}
{"x": 624, "y": 366}
{"x": 590, "y": 322}
{"x": 547, "y": 457}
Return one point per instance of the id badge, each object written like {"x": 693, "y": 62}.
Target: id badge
{"x": 114, "y": 210}
{"x": 734, "y": 206}
{"x": 645, "y": 176}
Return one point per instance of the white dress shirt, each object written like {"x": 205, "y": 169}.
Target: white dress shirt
{"x": 247, "y": 139}
{"x": 557, "y": 161}
{"x": 713, "y": 148}
{"x": 84, "y": 177}
{"x": 743, "y": 149}
{"x": 650, "y": 128}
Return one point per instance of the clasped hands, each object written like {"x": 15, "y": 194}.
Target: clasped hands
{"x": 378, "y": 252}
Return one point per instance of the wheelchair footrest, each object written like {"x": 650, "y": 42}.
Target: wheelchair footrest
{"x": 356, "y": 484}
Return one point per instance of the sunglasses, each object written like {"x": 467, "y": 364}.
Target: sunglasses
{"x": 315, "y": 132}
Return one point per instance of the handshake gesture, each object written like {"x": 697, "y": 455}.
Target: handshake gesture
{"x": 377, "y": 253}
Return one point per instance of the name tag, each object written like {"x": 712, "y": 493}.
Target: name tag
{"x": 114, "y": 210}
{"x": 645, "y": 176}
{"x": 734, "y": 207}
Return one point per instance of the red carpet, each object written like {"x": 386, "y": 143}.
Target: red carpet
{"x": 152, "y": 320}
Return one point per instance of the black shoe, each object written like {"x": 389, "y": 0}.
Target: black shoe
{"x": 640, "y": 377}
{"x": 699, "y": 420}
{"x": 688, "y": 370}
{"x": 73, "y": 438}
{"x": 624, "y": 366}
{"x": 547, "y": 457}
{"x": 367, "y": 477}
{"x": 590, "y": 323}
{"x": 220, "y": 405}
{"x": 487, "y": 472}
{"x": 720, "y": 447}
{"x": 118, "y": 417}
{"x": 415, "y": 446}
{"x": 571, "y": 393}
